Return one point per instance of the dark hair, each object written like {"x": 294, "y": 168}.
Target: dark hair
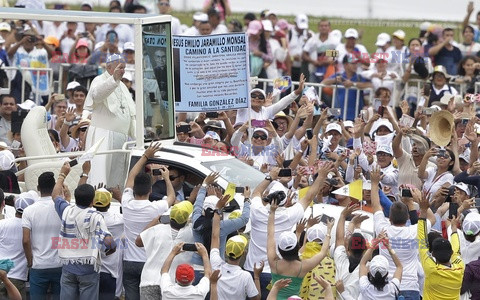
{"x": 6, "y": 96}
{"x": 55, "y": 135}
{"x": 84, "y": 195}
{"x": 446, "y": 29}
{"x": 452, "y": 159}
{"x": 142, "y": 184}
{"x": 414, "y": 39}
{"x": 203, "y": 225}
{"x": 80, "y": 88}
{"x": 356, "y": 250}
{"x": 180, "y": 172}
{"x": 102, "y": 209}
{"x": 212, "y": 12}
{"x": 399, "y": 213}
{"x": 468, "y": 27}
{"x": 432, "y": 235}
{"x": 46, "y": 183}
{"x": 441, "y": 255}
{"x": 379, "y": 91}
{"x": 237, "y": 26}
{"x": 290, "y": 255}
{"x": 432, "y": 38}
{"x": 249, "y": 16}
{"x": 461, "y": 70}
{"x": 263, "y": 43}
{"x": 2, "y": 197}
{"x": 378, "y": 281}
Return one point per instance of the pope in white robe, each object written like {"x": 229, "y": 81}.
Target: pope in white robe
{"x": 112, "y": 112}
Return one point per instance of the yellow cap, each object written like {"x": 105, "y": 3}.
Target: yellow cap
{"x": 235, "y": 246}
{"x": 181, "y": 211}
{"x": 235, "y": 214}
{"x": 102, "y": 198}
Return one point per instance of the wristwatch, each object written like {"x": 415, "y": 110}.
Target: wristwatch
{"x": 83, "y": 175}
{"x": 67, "y": 123}
{"x": 219, "y": 212}
{"x": 246, "y": 199}
{"x": 204, "y": 185}
{"x": 269, "y": 178}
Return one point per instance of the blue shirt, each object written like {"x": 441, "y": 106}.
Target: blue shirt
{"x": 349, "y": 102}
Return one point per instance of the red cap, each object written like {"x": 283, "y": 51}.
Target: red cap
{"x": 184, "y": 274}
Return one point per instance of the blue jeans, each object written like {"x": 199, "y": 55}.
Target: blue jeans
{"x": 41, "y": 279}
{"x": 108, "y": 285}
{"x": 83, "y": 287}
{"x": 410, "y": 295}
{"x": 132, "y": 271}
{"x": 265, "y": 279}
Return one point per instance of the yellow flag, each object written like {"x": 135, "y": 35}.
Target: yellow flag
{"x": 230, "y": 191}
{"x": 353, "y": 190}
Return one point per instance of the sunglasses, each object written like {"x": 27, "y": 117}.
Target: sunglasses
{"x": 260, "y": 136}
{"x": 258, "y": 96}
{"x": 172, "y": 178}
{"x": 163, "y": 4}
{"x": 83, "y": 129}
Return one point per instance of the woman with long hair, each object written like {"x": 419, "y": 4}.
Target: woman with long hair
{"x": 374, "y": 283}
{"x": 260, "y": 51}
{"x": 439, "y": 174}
{"x": 469, "y": 47}
{"x": 222, "y": 6}
{"x": 290, "y": 266}
{"x": 468, "y": 73}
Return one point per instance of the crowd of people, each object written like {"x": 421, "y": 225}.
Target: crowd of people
{"x": 414, "y": 162}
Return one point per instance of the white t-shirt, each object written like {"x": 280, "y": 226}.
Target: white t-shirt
{"x": 110, "y": 263}
{"x": 158, "y": 241}
{"x": 44, "y": 223}
{"x": 136, "y": 215}
{"x": 235, "y": 283}
{"x": 350, "y": 280}
{"x": 314, "y": 45}
{"x": 368, "y": 291}
{"x": 173, "y": 291}
{"x": 285, "y": 219}
{"x": 11, "y": 247}
{"x": 431, "y": 185}
{"x": 404, "y": 241}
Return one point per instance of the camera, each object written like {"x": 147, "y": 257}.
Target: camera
{"x": 277, "y": 196}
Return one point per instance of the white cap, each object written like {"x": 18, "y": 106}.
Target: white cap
{"x": 213, "y": 135}
{"x": 383, "y": 122}
{"x": 382, "y": 39}
{"x": 424, "y": 26}
{"x": 302, "y": 21}
{"x": 287, "y": 241}
{"x": 200, "y": 17}
{"x": 4, "y": 26}
{"x": 127, "y": 76}
{"x": 367, "y": 185}
{"x": 270, "y": 12}
{"x": 113, "y": 57}
{"x": 317, "y": 232}
{"x": 72, "y": 84}
{"x": 89, "y": 3}
{"x": 27, "y": 105}
{"x": 465, "y": 156}
{"x": 210, "y": 202}
{"x": 471, "y": 223}
{"x": 25, "y": 199}
{"x": 98, "y": 45}
{"x": 334, "y": 126}
{"x": 399, "y": 34}
{"x": 6, "y": 160}
{"x": 262, "y": 130}
{"x": 351, "y": 33}
{"x": 259, "y": 91}
{"x": 267, "y": 25}
{"x": 348, "y": 123}
{"x": 379, "y": 264}
{"x": 385, "y": 149}
{"x": 3, "y": 145}
{"x": 335, "y": 36}
{"x": 463, "y": 187}
{"x": 129, "y": 46}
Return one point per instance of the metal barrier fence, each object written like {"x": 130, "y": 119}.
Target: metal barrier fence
{"x": 37, "y": 72}
{"x": 319, "y": 88}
